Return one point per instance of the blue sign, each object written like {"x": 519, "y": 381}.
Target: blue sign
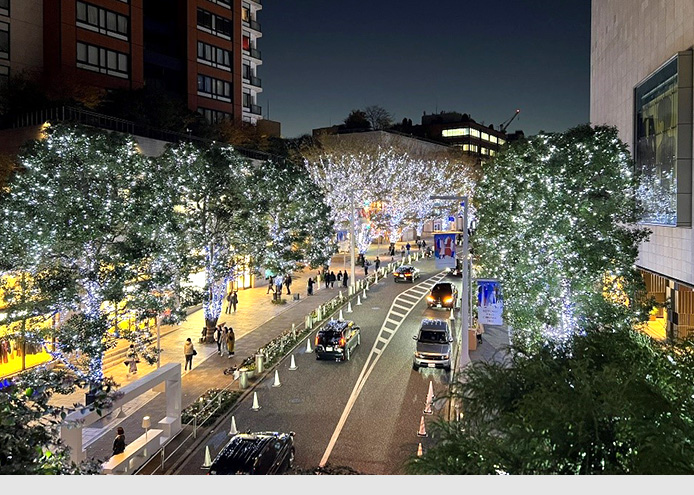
{"x": 490, "y": 304}
{"x": 444, "y": 250}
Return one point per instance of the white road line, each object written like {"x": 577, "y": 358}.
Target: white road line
{"x": 363, "y": 376}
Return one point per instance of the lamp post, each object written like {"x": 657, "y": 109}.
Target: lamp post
{"x": 464, "y": 357}
{"x": 146, "y": 424}
{"x": 351, "y": 242}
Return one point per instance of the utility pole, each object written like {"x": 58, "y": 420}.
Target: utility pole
{"x": 464, "y": 357}
{"x": 351, "y": 242}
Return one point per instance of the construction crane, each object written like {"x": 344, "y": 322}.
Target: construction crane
{"x": 504, "y": 125}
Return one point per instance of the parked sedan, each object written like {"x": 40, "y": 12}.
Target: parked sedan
{"x": 406, "y": 273}
{"x": 337, "y": 340}
{"x": 266, "y": 452}
{"x": 443, "y": 295}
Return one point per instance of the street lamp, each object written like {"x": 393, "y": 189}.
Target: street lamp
{"x": 464, "y": 358}
{"x": 351, "y": 242}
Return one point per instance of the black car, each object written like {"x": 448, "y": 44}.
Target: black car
{"x": 337, "y": 340}
{"x": 443, "y": 295}
{"x": 406, "y": 273}
{"x": 266, "y": 452}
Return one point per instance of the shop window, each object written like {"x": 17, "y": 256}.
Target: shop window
{"x": 666, "y": 200}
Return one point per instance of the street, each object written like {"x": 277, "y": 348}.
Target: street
{"x": 364, "y": 413}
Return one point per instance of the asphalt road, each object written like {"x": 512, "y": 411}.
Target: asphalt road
{"x": 364, "y": 413}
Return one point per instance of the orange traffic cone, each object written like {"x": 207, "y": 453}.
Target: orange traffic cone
{"x": 422, "y": 430}
{"x": 419, "y": 450}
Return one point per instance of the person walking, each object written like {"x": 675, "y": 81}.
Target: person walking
{"x": 310, "y": 286}
{"x": 229, "y": 296}
{"x": 231, "y": 341}
{"x": 332, "y": 280}
{"x": 270, "y": 284}
{"x": 223, "y": 340}
{"x": 189, "y": 351}
{"x": 377, "y": 263}
{"x": 279, "y": 282}
{"x": 288, "y": 282}
{"x": 234, "y": 300}
{"x": 119, "y": 441}
{"x": 326, "y": 276}
{"x": 345, "y": 278}
{"x": 132, "y": 360}
{"x": 407, "y": 246}
{"x": 366, "y": 268}
{"x": 218, "y": 338}
{"x": 402, "y": 252}
{"x": 339, "y": 277}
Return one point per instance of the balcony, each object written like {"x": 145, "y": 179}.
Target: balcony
{"x": 254, "y": 25}
{"x": 252, "y": 52}
{"x": 255, "y": 81}
{"x": 256, "y": 110}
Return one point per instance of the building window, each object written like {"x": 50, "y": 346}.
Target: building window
{"x": 485, "y": 136}
{"x": 102, "y": 60}
{"x": 4, "y": 41}
{"x": 247, "y": 99}
{"x": 211, "y": 87}
{"x": 214, "y": 56}
{"x": 4, "y": 77}
{"x": 215, "y": 24}
{"x": 214, "y": 116}
{"x": 246, "y": 72}
{"x": 657, "y": 136}
{"x": 470, "y": 147}
{"x": 223, "y": 3}
{"x": 246, "y": 42}
{"x": 102, "y": 21}
{"x": 5, "y": 7}
{"x": 246, "y": 13}
{"x": 502, "y": 141}
{"x": 484, "y": 151}
{"x": 461, "y": 131}
{"x": 474, "y": 133}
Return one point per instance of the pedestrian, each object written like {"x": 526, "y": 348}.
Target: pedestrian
{"x": 424, "y": 243}
{"x": 223, "y": 341}
{"x": 231, "y": 341}
{"x": 279, "y": 282}
{"x": 408, "y": 248}
{"x": 288, "y": 282}
{"x": 270, "y": 284}
{"x": 189, "y": 351}
{"x": 218, "y": 338}
{"x": 345, "y": 278}
{"x": 479, "y": 331}
{"x": 391, "y": 249}
{"x": 366, "y": 268}
{"x": 234, "y": 300}
{"x": 132, "y": 360}
{"x": 119, "y": 441}
{"x": 419, "y": 243}
{"x": 377, "y": 263}
{"x": 333, "y": 277}
{"x": 310, "y": 286}
{"x": 339, "y": 277}
{"x": 229, "y": 296}
{"x": 402, "y": 252}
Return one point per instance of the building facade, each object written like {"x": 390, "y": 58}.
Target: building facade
{"x": 641, "y": 82}
{"x": 204, "y": 51}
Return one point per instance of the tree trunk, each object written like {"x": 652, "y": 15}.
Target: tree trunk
{"x": 211, "y": 325}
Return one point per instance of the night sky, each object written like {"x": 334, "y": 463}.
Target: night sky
{"x": 323, "y": 58}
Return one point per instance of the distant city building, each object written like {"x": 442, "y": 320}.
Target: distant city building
{"x": 641, "y": 82}
{"x": 204, "y": 51}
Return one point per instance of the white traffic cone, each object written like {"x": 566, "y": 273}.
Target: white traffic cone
{"x": 349, "y": 307}
{"x": 341, "y": 317}
{"x": 364, "y": 294}
{"x": 422, "y": 430}
{"x": 277, "y": 379}
{"x": 308, "y": 346}
{"x": 376, "y": 278}
{"x": 419, "y": 450}
{"x": 292, "y": 364}
{"x": 340, "y": 295}
{"x": 256, "y": 406}
{"x": 367, "y": 286}
{"x": 358, "y": 301}
{"x": 452, "y": 317}
{"x": 233, "y": 430}
{"x": 208, "y": 458}
{"x": 430, "y": 399}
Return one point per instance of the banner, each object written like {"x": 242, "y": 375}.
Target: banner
{"x": 444, "y": 250}
{"x": 490, "y": 304}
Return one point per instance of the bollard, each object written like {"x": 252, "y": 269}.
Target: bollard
{"x": 294, "y": 330}
{"x": 309, "y": 322}
{"x": 259, "y": 363}
{"x": 243, "y": 380}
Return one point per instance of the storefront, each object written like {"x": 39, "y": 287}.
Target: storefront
{"x": 673, "y": 319}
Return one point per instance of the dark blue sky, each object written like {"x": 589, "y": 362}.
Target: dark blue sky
{"x": 323, "y": 58}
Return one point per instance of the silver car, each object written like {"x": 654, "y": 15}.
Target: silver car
{"x": 433, "y": 348}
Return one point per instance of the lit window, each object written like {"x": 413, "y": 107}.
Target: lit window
{"x": 502, "y": 141}
{"x": 461, "y": 131}
{"x": 246, "y": 13}
{"x": 484, "y": 151}
{"x": 493, "y": 139}
{"x": 485, "y": 136}
{"x": 474, "y": 133}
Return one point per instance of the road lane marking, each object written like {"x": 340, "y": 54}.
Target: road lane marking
{"x": 369, "y": 366}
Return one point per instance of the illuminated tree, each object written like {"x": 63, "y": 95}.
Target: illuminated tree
{"x": 556, "y": 221}
{"x": 221, "y": 212}
{"x": 71, "y": 221}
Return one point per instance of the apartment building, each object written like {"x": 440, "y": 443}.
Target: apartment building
{"x": 641, "y": 82}
{"x": 204, "y": 51}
